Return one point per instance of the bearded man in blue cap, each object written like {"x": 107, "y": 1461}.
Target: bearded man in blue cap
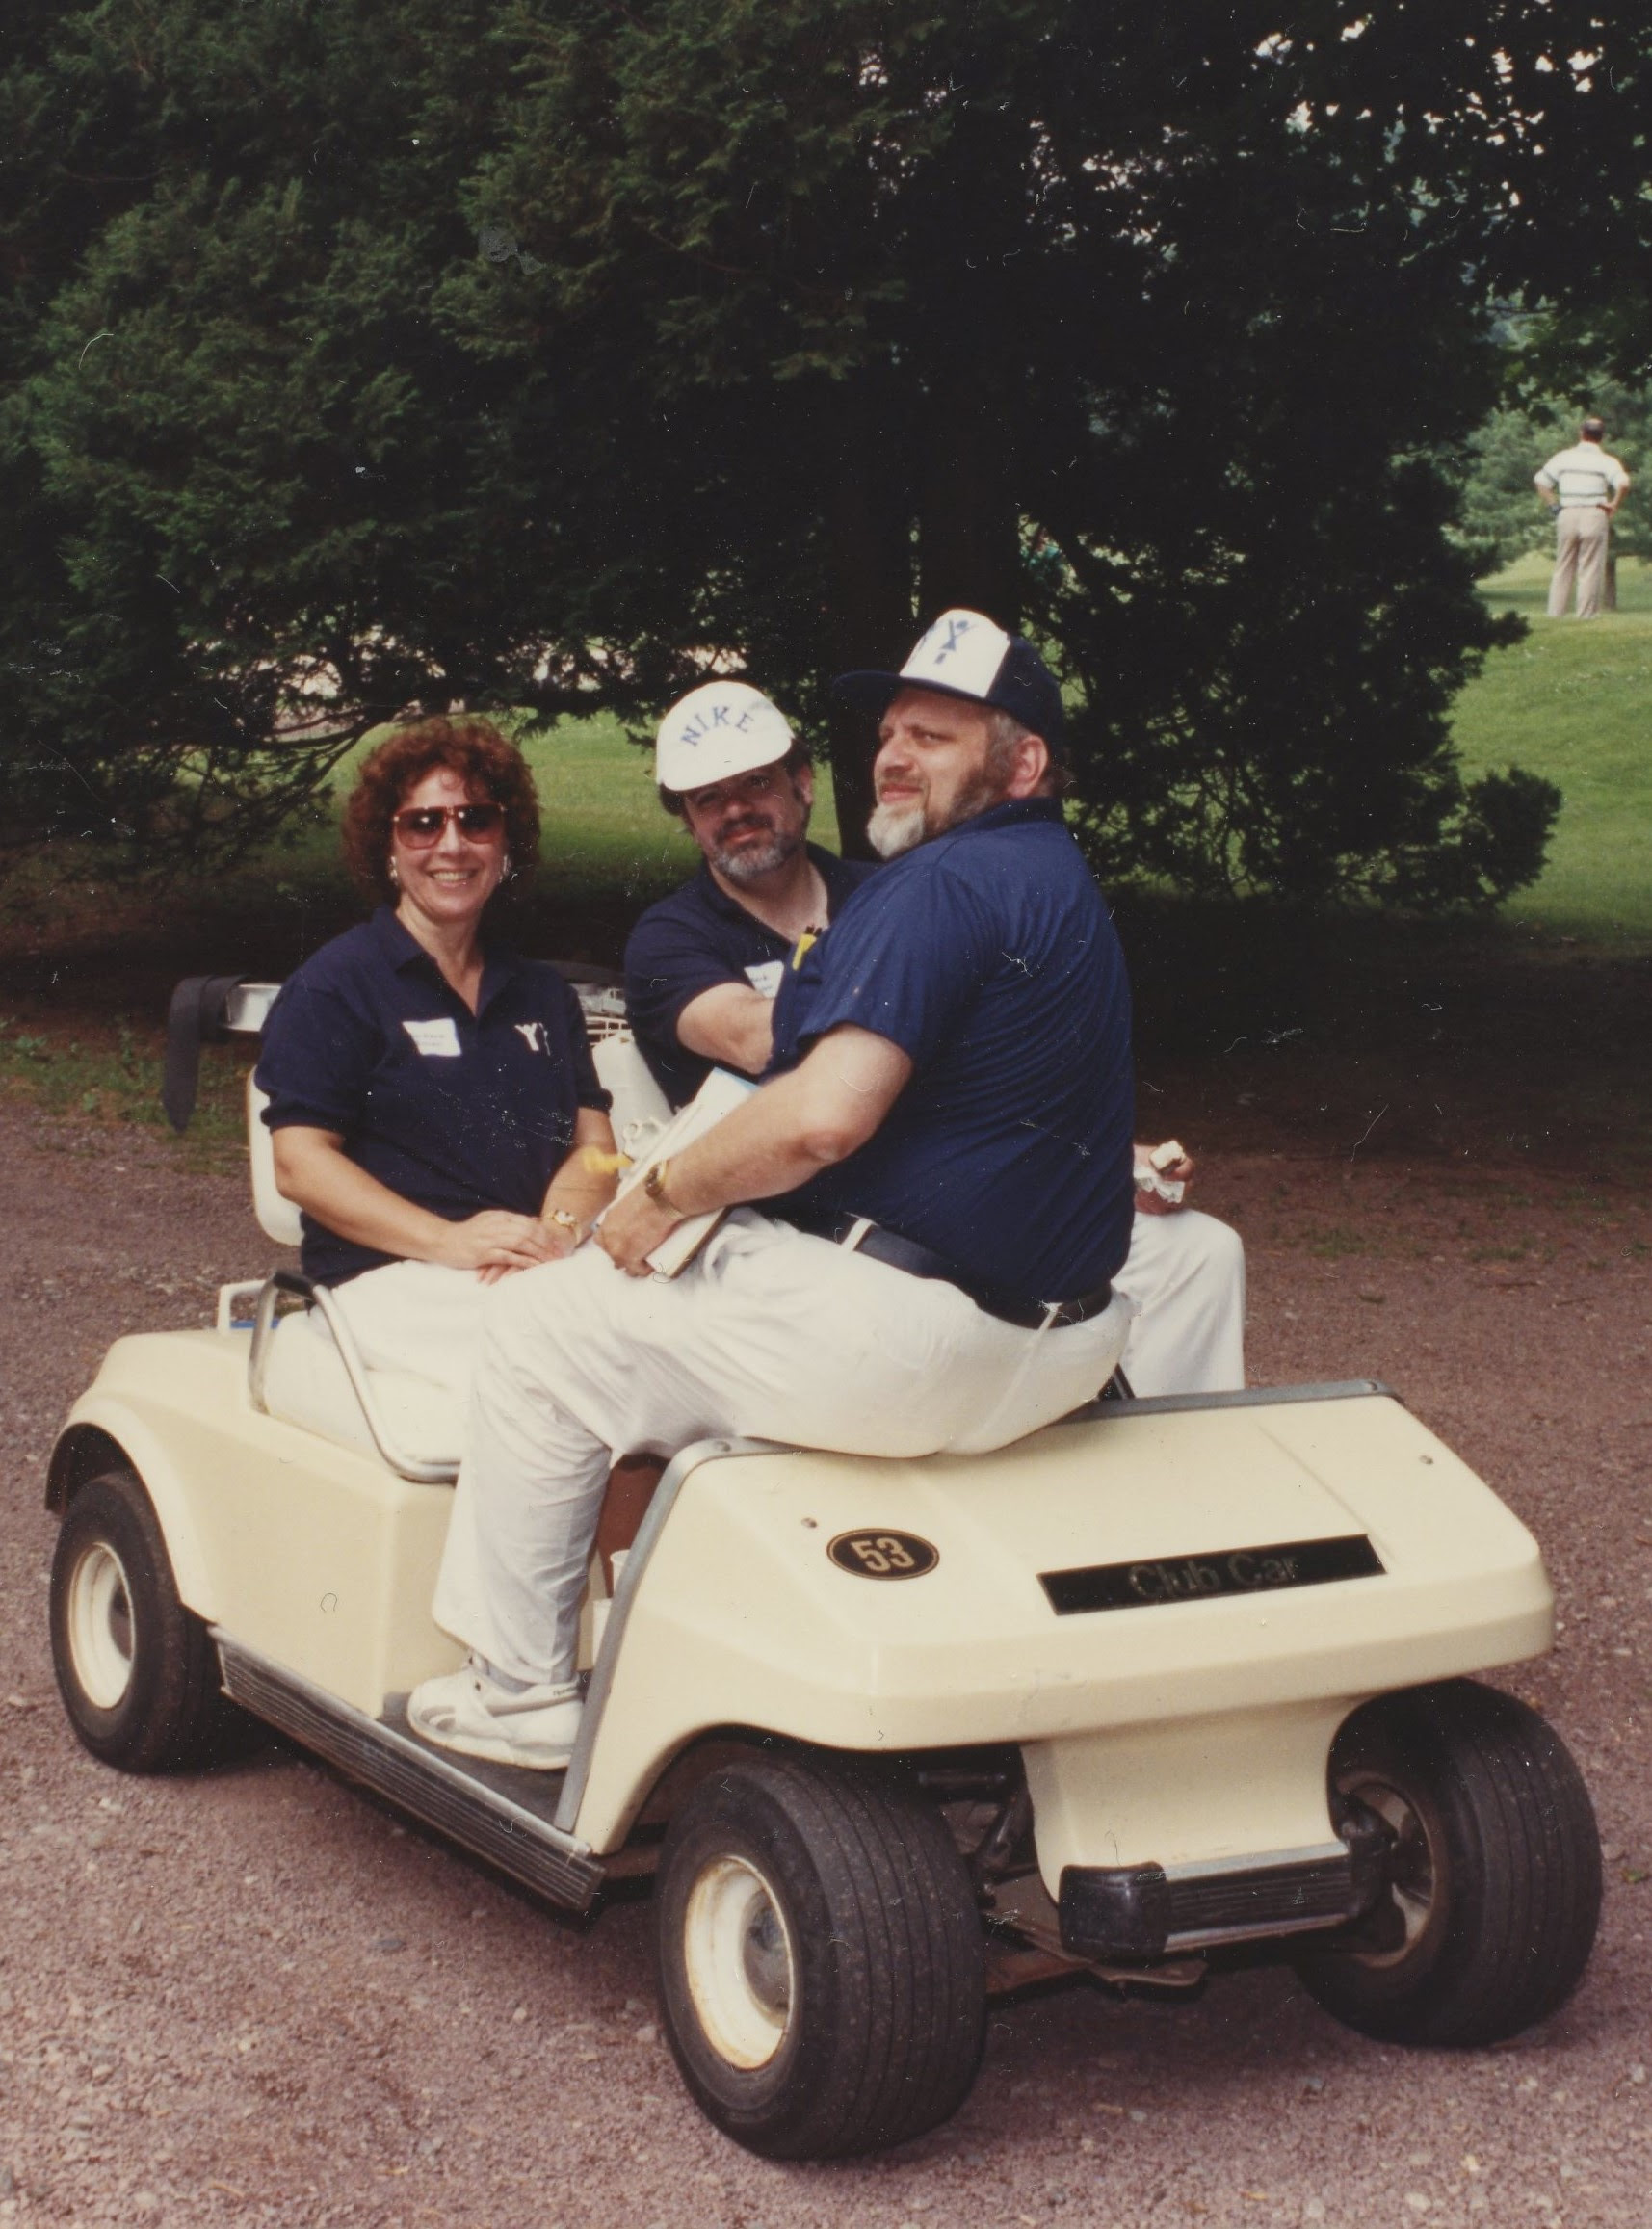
{"x": 928, "y": 1198}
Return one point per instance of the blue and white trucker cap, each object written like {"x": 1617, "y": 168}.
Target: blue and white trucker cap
{"x": 964, "y": 654}
{"x": 720, "y": 729}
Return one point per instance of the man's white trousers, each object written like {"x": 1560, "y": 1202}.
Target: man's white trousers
{"x": 1185, "y": 1272}
{"x": 772, "y": 1334}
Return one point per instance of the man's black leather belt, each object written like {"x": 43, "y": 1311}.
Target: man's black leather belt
{"x": 918, "y": 1261}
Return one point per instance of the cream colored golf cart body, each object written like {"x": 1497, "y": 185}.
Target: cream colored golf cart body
{"x": 1166, "y": 1610}
{"x": 1187, "y": 1725}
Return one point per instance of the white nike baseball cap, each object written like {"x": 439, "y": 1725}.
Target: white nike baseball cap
{"x": 720, "y": 729}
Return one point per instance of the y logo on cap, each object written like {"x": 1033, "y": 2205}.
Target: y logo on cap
{"x": 962, "y": 649}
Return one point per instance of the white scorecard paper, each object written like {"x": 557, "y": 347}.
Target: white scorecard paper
{"x": 719, "y": 1095}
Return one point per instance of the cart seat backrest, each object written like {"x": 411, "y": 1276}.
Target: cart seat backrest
{"x": 640, "y": 1105}
{"x": 277, "y": 1217}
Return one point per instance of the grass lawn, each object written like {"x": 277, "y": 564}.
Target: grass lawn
{"x": 1574, "y": 702}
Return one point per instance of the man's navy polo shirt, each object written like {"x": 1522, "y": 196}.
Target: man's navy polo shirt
{"x": 696, "y": 940}
{"x": 988, "y": 956}
{"x": 454, "y": 1111}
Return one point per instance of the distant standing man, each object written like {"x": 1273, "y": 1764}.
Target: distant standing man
{"x": 1584, "y": 486}
{"x": 702, "y": 967}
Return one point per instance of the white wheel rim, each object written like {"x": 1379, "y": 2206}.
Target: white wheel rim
{"x": 100, "y": 1626}
{"x": 1413, "y": 1881}
{"x": 739, "y": 1960}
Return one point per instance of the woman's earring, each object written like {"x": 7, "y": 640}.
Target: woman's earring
{"x": 506, "y": 870}
{"x": 395, "y": 877}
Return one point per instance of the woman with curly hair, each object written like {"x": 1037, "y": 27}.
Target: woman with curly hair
{"x": 430, "y": 1091}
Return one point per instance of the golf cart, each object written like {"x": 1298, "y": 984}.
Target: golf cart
{"x": 1170, "y": 1682}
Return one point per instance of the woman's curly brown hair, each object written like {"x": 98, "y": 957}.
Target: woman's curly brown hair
{"x": 489, "y": 765}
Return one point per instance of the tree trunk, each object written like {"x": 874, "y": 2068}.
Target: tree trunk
{"x": 969, "y": 533}
{"x": 869, "y": 591}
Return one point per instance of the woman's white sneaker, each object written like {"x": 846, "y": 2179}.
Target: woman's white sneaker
{"x": 478, "y": 1714}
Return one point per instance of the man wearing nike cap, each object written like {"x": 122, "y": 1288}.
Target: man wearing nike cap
{"x": 930, "y": 1193}
{"x": 702, "y": 967}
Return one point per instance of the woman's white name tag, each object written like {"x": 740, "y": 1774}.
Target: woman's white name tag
{"x": 437, "y": 1040}
{"x": 765, "y": 977}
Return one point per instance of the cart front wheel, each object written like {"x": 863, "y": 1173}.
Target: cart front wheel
{"x": 1494, "y": 1869}
{"x": 821, "y": 1959}
{"x": 137, "y": 1671}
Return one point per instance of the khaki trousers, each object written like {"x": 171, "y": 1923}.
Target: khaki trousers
{"x": 1581, "y": 538}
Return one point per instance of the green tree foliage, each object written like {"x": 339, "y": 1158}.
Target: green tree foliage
{"x": 242, "y": 455}
{"x": 363, "y": 356}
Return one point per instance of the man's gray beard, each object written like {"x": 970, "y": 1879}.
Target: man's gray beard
{"x": 896, "y": 829}
{"x": 748, "y": 865}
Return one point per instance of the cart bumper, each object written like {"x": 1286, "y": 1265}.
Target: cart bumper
{"x": 1144, "y": 1912}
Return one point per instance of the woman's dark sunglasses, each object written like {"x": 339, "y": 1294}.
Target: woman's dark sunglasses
{"x": 419, "y": 826}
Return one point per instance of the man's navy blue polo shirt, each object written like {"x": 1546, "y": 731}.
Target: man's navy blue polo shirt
{"x": 454, "y": 1111}
{"x": 696, "y": 940}
{"x": 988, "y": 956}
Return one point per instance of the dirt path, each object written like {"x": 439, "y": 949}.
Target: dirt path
{"x": 255, "y": 1998}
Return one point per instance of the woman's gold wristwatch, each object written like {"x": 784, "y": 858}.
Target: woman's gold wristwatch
{"x": 565, "y": 1221}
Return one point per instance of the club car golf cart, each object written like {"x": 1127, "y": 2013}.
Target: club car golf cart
{"x": 1171, "y": 1682}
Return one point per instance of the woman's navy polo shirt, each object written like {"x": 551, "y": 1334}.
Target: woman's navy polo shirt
{"x": 988, "y": 956}
{"x": 454, "y": 1111}
{"x": 696, "y": 940}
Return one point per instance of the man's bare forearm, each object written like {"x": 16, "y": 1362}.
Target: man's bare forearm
{"x": 760, "y": 1150}
{"x": 731, "y": 1024}
{"x": 788, "y": 1130}
{"x": 793, "y": 1126}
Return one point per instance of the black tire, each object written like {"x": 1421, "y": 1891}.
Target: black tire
{"x": 1495, "y": 1891}
{"x": 137, "y": 1671}
{"x": 847, "y": 2008}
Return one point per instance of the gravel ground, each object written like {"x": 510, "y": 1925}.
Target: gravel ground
{"x": 254, "y": 1997}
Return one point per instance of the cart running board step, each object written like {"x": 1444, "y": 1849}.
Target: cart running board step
{"x": 500, "y": 1812}
{"x": 1146, "y": 1911}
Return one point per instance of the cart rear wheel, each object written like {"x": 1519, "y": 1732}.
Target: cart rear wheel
{"x": 137, "y": 1671}
{"x": 1494, "y": 1869}
{"x": 821, "y": 1959}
